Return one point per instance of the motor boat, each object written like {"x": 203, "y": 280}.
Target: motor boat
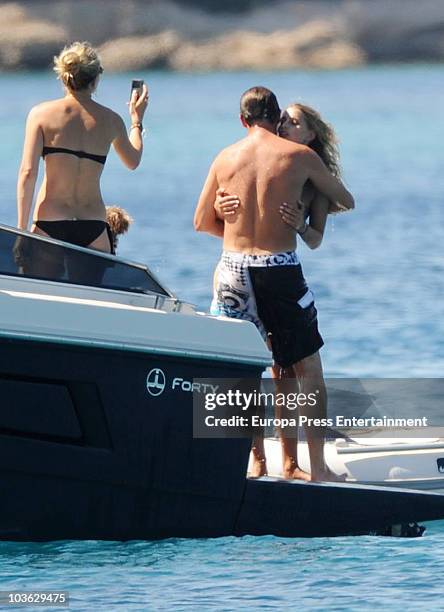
{"x": 97, "y": 364}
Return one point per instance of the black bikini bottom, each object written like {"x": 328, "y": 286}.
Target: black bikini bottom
{"x": 81, "y": 232}
{"x": 41, "y": 259}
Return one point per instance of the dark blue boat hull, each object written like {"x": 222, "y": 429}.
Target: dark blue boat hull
{"x": 87, "y": 453}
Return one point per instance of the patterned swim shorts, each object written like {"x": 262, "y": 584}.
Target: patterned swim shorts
{"x": 271, "y": 292}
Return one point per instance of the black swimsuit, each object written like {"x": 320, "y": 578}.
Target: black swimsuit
{"x": 101, "y": 159}
{"x": 77, "y": 231}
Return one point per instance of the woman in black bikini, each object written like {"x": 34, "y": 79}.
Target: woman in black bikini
{"x": 73, "y": 134}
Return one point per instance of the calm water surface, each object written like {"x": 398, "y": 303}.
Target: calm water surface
{"x": 378, "y": 285}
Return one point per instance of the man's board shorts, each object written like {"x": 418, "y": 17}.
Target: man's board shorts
{"x": 271, "y": 292}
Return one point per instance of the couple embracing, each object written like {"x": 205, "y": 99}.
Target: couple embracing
{"x": 258, "y": 196}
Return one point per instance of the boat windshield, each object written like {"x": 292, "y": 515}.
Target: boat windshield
{"x": 30, "y": 256}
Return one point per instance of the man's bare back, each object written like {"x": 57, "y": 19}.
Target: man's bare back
{"x": 265, "y": 171}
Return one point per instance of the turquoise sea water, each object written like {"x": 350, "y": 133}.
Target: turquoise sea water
{"x": 378, "y": 285}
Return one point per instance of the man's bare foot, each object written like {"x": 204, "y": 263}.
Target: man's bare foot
{"x": 292, "y": 471}
{"x": 259, "y": 468}
{"x": 327, "y": 475}
{"x": 296, "y": 474}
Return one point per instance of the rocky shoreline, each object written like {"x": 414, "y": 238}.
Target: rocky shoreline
{"x": 156, "y": 34}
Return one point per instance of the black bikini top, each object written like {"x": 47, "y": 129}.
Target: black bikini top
{"x": 101, "y": 159}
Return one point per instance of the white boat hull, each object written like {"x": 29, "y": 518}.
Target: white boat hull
{"x": 411, "y": 464}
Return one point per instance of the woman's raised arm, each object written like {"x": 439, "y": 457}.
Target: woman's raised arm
{"x": 130, "y": 148}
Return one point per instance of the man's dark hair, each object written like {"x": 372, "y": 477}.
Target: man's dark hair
{"x": 259, "y": 104}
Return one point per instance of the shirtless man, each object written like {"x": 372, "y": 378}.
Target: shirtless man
{"x": 259, "y": 275}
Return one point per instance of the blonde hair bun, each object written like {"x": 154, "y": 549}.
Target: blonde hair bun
{"x": 77, "y": 65}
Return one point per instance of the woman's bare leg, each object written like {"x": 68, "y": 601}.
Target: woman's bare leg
{"x": 259, "y": 459}
{"x": 311, "y": 379}
{"x": 289, "y": 443}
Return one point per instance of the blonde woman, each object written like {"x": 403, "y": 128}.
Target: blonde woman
{"x": 304, "y": 125}
{"x": 73, "y": 135}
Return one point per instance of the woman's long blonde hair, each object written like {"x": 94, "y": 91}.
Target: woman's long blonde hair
{"x": 325, "y": 142}
{"x": 77, "y": 65}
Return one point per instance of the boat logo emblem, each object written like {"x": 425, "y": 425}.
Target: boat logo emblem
{"x": 155, "y": 382}
{"x": 440, "y": 463}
